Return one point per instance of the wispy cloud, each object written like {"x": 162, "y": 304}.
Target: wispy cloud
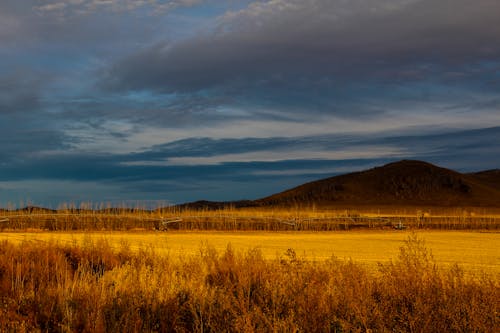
{"x": 275, "y": 156}
{"x": 84, "y": 7}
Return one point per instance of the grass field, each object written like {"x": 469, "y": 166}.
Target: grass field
{"x": 249, "y": 271}
{"x": 61, "y": 282}
{"x": 474, "y": 251}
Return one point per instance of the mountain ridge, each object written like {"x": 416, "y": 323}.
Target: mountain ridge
{"x": 402, "y": 183}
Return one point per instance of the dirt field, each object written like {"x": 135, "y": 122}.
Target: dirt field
{"x": 474, "y": 251}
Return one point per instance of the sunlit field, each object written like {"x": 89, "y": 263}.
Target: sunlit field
{"x": 472, "y": 250}
{"x": 249, "y": 271}
{"x": 108, "y": 286}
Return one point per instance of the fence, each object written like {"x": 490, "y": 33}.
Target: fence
{"x": 100, "y": 221}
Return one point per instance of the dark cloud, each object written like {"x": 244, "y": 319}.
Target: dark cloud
{"x": 135, "y": 99}
{"x": 20, "y": 91}
{"x": 471, "y": 145}
{"x": 467, "y": 144}
{"x": 20, "y": 143}
{"x": 159, "y": 110}
{"x": 202, "y": 147}
{"x": 93, "y": 24}
{"x": 25, "y": 126}
{"x": 317, "y": 39}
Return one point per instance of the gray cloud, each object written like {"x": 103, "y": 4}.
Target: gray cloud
{"x": 316, "y": 39}
{"x": 84, "y": 30}
{"x": 26, "y": 127}
{"x": 83, "y": 7}
{"x": 464, "y": 150}
{"x": 471, "y": 145}
{"x": 20, "y": 143}
{"x": 205, "y": 147}
{"x": 19, "y": 92}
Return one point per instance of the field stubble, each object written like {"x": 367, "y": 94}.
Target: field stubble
{"x": 474, "y": 251}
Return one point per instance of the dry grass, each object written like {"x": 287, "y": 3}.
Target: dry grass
{"x": 474, "y": 251}
{"x": 277, "y": 219}
{"x": 95, "y": 287}
{"x": 86, "y": 276}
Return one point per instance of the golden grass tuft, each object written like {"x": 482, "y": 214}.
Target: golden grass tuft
{"x": 94, "y": 287}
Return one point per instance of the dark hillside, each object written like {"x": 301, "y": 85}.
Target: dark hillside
{"x": 400, "y": 183}
{"x": 489, "y": 177}
{"x": 215, "y": 205}
{"x": 36, "y": 209}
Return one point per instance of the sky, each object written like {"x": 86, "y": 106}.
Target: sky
{"x": 151, "y": 102}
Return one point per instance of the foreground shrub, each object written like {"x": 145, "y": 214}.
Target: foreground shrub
{"x": 94, "y": 288}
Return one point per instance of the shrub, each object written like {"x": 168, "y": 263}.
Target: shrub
{"x": 94, "y": 288}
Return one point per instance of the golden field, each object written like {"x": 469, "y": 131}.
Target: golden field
{"x": 249, "y": 271}
{"x": 111, "y": 286}
{"x": 474, "y": 251}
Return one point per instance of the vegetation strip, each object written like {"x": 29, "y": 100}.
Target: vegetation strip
{"x": 233, "y": 220}
{"x": 94, "y": 288}
{"x": 474, "y": 251}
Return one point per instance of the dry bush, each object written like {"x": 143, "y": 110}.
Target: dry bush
{"x": 93, "y": 288}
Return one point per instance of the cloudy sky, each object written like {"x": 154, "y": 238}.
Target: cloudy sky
{"x": 165, "y": 101}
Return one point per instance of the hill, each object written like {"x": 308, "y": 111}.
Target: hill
{"x": 35, "y": 209}
{"x": 214, "y": 205}
{"x": 405, "y": 183}
{"x": 408, "y": 183}
{"x": 489, "y": 177}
